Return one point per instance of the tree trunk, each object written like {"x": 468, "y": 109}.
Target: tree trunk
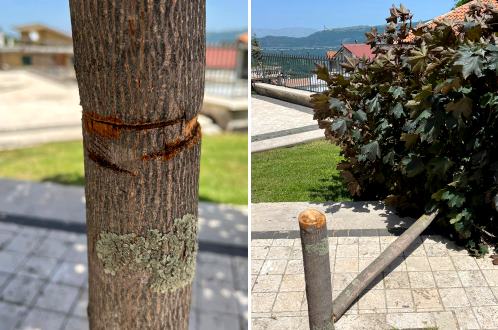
{"x": 314, "y": 240}
{"x": 140, "y": 71}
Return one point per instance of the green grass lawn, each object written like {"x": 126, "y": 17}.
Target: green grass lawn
{"x": 223, "y": 176}
{"x": 305, "y": 172}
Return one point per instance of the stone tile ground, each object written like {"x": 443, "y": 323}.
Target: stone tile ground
{"x": 277, "y": 123}
{"x": 43, "y": 283}
{"x": 433, "y": 285}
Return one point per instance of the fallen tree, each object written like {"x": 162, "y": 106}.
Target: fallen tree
{"x": 386, "y": 258}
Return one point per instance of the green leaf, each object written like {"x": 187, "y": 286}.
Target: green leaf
{"x": 397, "y": 91}
{"x": 356, "y": 135}
{"x": 412, "y": 166}
{"x": 373, "y": 105}
{"x": 389, "y": 158}
{"x": 469, "y": 62}
{"x": 340, "y": 126}
{"x": 336, "y": 104}
{"x": 371, "y": 151}
{"x": 438, "y": 195}
{"x": 418, "y": 58}
{"x": 360, "y": 116}
{"x": 454, "y": 199}
{"x": 397, "y": 111}
{"x": 462, "y": 216}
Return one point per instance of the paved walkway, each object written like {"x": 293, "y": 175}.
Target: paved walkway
{"x": 341, "y": 216}
{"x": 278, "y": 124}
{"x": 435, "y": 284}
{"x": 43, "y": 265}
{"x": 63, "y": 207}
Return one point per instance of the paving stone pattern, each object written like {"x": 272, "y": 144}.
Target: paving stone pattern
{"x": 43, "y": 283}
{"x": 435, "y": 284}
{"x": 277, "y": 124}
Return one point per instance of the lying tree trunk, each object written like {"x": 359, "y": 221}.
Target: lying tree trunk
{"x": 140, "y": 71}
{"x": 314, "y": 240}
{"x": 368, "y": 275}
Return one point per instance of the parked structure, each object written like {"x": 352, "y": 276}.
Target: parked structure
{"x": 38, "y": 46}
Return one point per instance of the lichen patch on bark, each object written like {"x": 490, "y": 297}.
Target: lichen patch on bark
{"x": 169, "y": 258}
{"x": 321, "y": 247}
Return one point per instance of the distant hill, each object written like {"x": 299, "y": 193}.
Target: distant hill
{"x": 297, "y": 32}
{"x": 224, "y": 36}
{"x": 332, "y": 38}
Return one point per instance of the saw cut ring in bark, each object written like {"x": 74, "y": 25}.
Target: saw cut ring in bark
{"x": 168, "y": 258}
{"x": 105, "y": 137}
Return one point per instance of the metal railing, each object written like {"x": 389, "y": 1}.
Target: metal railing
{"x": 294, "y": 71}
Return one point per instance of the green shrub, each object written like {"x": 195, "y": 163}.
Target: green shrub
{"x": 418, "y": 125}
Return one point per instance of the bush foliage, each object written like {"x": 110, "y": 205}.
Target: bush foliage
{"x": 418, "y": 125}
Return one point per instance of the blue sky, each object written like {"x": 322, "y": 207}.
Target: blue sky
{"x": 273, "y": 14}
{"x": 222, "y": 15}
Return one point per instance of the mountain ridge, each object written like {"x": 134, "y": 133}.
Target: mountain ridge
{"x": 332, "y": 38}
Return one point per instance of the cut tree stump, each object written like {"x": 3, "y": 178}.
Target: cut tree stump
{"x": 314, "y": 240}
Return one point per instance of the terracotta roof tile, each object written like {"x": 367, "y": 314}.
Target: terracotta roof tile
{"x": 244, "y": 38}
{"x": 221, "y": 57}
{"x": 360, "y": 50}
{"x": 456, "y": 15}
{"x": 331, "y": 53}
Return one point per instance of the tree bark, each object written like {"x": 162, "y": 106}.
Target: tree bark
{"x": 140, "y": 71}
{"x": 346, "y": 298}
{"x": 314, "y": 240}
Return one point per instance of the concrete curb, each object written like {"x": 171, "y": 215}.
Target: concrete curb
{"x": 291, "y": 95}
{"x": 256, "y": 149}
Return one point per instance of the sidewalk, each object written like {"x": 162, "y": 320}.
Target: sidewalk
{"x": 435, "y": 284}
{"x": 278, "y": 124}
{"x": 43, "y": 269}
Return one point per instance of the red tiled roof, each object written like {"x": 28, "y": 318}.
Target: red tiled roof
{"x": 456, "y": 15}
{"x": 360, "y": 50}
{"x": 221, "y": 57}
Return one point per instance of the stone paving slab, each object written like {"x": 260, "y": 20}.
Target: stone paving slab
{"x": 44, "y": 285}
{"x": 218, "y": 223}
{"x": 269, "y": 217}
{"x": 435, "y": 284}
{"x": 277, "y": 123}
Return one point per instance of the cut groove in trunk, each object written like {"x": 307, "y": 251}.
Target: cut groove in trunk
{"x": 140, "y": 71}
{"x": 369, "y": 274}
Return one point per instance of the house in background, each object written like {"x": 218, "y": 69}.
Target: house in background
{"x": 228, "y": 60}
{"x": 38, "y": 46}
{"x": 353, "y": 50}
{"x": 225, "y": 93}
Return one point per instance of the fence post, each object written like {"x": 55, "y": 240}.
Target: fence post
{"x": 314, "y": 240}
